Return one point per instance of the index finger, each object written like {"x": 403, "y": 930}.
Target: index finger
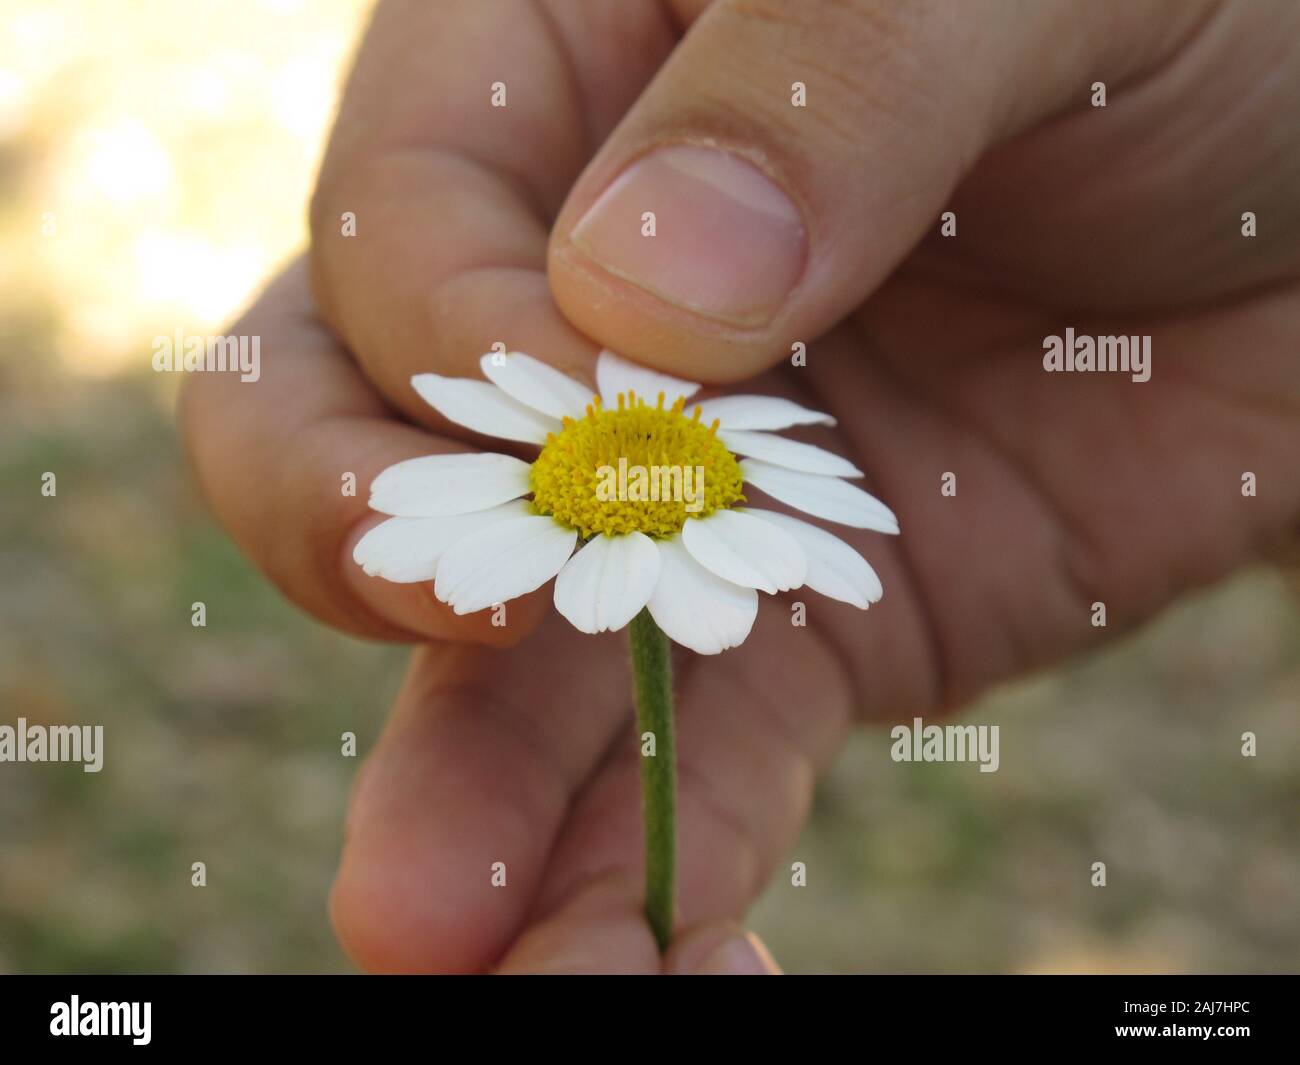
{"x": 460, "y": 132}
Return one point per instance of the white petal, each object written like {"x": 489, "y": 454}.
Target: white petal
{"x": 759, "y": 412}
{"x": 697, "y": 609}
{"x": 746, "y": 551}
{"x": 406, "y": 550}
{"x": 615, "y": 375}
{"x": 605, "y": 585}
{"x": 822, "y": 497}
{"x": 435, "y": 486}
{"x": 509, "y": 559}
{"x": 536, "y": 385}
{"x": 484, "y": 408}
{"x": 834, "y": 568}
{"x": 788, "y": 453}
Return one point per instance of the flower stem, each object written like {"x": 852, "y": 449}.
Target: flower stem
{"x": 653, "y": 683}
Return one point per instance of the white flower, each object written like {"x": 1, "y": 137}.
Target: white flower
{"x": 687, "y": 551}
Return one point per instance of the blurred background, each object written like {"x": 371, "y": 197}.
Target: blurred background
{"x": 155, "y": 162}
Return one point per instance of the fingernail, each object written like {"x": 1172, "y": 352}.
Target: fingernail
{"x": 741, "y": 955}
{"x": 700, "y": 228}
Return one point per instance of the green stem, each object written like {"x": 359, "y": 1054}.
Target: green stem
{"x": 653, "y": 683}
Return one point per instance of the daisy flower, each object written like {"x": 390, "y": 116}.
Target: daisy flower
{"x": 684, "y": 545}
{"x": 634, "y": 504}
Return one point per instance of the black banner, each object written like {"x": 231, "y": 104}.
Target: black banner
{"x": 147, "y": 1014}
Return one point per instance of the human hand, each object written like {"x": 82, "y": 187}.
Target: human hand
{"x": 1072, "y": 489}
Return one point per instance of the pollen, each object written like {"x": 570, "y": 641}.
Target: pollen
{"x": 636, "y": 468}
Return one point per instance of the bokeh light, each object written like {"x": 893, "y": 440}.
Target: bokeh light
{"x": 161, "y": 155}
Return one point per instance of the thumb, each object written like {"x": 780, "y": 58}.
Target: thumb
{"x": 788, "y": 156}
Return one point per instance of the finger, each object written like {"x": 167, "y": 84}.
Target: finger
{"x": 452, "y": 821}
{"x": 754, "y": 725}
{"x": 505, "y": 757}
{"x": 720, "y": 949}
{"x": 452, "y": 196}
{"x": 285, "y": 462}
{"x": 774, "y": 215}
{"x": 603, "y": 931}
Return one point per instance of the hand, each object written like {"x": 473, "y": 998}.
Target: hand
{"x": 1072, "y": 489}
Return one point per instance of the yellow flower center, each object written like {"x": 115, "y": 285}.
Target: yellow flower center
{"x": 635, "y": 469}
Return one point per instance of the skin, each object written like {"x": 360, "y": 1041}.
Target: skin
{"x": 1073, "y": 489}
